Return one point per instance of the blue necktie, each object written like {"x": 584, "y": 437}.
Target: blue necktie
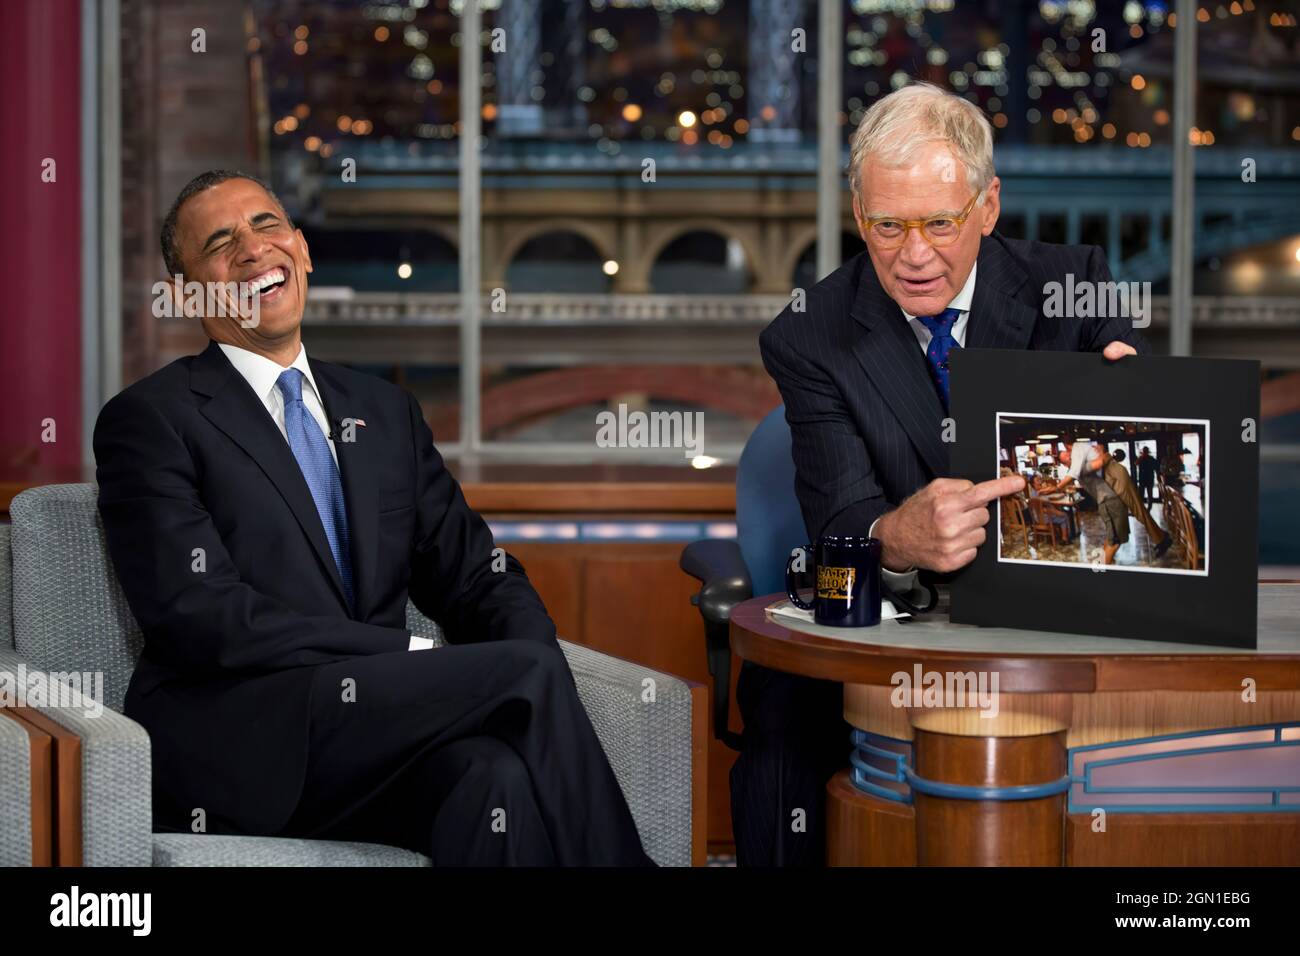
{"x": 941, "y": 343}
{"x": 313, "y": 453}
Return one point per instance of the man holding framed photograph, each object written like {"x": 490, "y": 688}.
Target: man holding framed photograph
{"x": 863, "y": 370}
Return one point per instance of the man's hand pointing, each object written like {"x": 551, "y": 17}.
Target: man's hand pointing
{"x": 942, "y": 525}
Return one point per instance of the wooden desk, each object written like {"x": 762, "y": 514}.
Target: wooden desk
{"x": 500, "y": 488}
{"x": 958, "y": 765}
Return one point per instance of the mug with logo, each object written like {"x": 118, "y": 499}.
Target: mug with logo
{"x": 849, "y": 586}
{"x": 847, "y": 571}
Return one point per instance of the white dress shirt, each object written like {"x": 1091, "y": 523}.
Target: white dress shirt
{"x": 906, "y": 580}
{"x": 262, "y": 374}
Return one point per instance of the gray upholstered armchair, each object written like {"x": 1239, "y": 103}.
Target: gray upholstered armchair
{"x": 69, "y": 615}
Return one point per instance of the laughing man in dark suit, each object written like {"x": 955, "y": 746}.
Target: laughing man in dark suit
{"x": 863, "y": 372}
{"x": 267, "y": 515}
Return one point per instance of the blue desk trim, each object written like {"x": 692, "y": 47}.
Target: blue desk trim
{"x": 899, "y": 770}
{"x": 1089, "y": 787}
{"x": 862, "y": 773}
{"x": 620, "y": 531}
{"x": 961, "y": 791}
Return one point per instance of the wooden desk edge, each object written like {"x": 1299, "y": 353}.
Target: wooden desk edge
{"x": 552, "y": 497}
{"x": 755, "y": 636}
{"x": 547, "y": 497}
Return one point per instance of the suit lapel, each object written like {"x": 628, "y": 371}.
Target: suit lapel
{"x": 360, "y": 485}
{"x": 896, "y": 366}
{"x": 1001, "y": 314}
{"x": 234, "y": 409}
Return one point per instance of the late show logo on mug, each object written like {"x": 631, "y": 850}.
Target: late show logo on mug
{"x": 835, "y": 583}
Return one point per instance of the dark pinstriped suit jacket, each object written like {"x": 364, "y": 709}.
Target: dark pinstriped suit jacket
{"x": 865, "y": 418}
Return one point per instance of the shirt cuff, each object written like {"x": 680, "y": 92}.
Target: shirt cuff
{"x": 420, "y": 643}
{"x": 900, "y": 582}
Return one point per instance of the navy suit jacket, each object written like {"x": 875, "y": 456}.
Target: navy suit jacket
{"x": 865, "y": 417}
{"x": 225, "y": 564}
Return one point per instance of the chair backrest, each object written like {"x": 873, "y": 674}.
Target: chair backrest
{"x": 1013, "y": 511}
{"x": 769, "y": 524}
{"x": 70, "y": 614}
{"x": 1043, "y": 511}
{"x": 6, "y": 591}
{"x": 1184, "y": 530}
{"x": 69, "y": 611}
{"x": 1169, "y": 510}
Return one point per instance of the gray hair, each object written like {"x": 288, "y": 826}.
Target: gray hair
{"x": 900, "y": 123}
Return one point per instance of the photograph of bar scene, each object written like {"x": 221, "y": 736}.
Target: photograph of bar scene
{"x": 1132, "y": 494}
{"x": 409, "y": 410}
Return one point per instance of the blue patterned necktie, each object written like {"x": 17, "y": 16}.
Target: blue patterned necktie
{"x": 941, "y": 343}
{"x": 313, "y": 453}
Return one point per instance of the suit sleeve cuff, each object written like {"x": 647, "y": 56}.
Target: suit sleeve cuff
{"x": 420, "y": 643}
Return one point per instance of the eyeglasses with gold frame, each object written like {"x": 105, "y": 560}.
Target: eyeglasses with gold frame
{"x": 890, "y": 232}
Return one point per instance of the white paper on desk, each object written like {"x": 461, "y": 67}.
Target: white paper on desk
{"x": 785, "y": 609}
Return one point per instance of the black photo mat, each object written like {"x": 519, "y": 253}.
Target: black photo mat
{"x": 1216, "y": 607}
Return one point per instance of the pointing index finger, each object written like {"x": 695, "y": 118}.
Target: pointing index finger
{"x": 987, "y": 491}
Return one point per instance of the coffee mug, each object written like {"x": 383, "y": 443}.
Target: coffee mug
{"x": 848, "y": 581}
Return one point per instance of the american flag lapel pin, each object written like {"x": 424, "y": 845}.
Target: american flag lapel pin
{"x": 345, "y": 428}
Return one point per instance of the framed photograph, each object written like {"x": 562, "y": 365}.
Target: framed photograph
{"x": 1129, "y": 494}
{"x": 1117, "y": 532}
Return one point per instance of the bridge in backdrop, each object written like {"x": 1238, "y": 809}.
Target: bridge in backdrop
{"x": 629, "y": 203}
{"x": 543, "y": 330}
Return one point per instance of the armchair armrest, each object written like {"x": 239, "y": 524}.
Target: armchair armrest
{"x": 114, "y": 776}
{"x": 15, "y": 794}
{"x": 719, "y": 566}
{"x": 643, "y": 718}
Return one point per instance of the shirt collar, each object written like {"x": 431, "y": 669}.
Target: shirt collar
{"x": 262, "y": 373}
{"x": 962, "y": 300}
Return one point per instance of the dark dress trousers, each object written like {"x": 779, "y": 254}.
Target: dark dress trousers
{"x": 273, "y": 710}
{"x": 866, "y": 423}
